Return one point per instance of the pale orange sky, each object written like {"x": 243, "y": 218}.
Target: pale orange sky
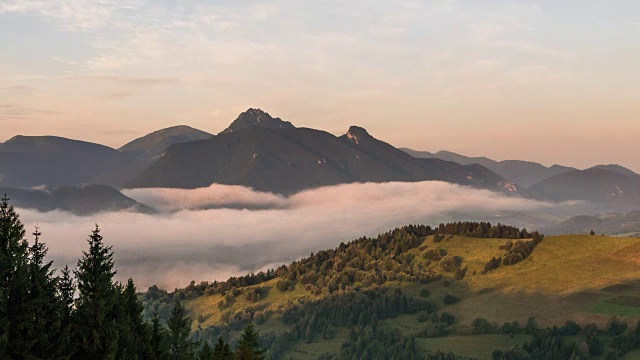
{"x": 534, "y": 80}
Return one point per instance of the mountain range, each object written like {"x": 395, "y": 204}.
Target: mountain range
{"x": 288, "y": 160}
{"x": 269, "y": 154}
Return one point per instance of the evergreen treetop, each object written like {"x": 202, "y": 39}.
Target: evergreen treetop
{"x": 249, "y": 346}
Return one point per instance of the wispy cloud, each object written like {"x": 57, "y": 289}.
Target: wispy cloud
{"x": 19, "y": 112}
{"x": 484, "y": 30}
{"x": 118, "y": 95}
{"x": 14, "y": 90}
{"x": 532, "y": 48}
{"x": 64, "y": 61}
{"x": 128, "y": 80}
{"x": 72, "y": 14}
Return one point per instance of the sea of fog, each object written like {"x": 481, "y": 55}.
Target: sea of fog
{"x": 220, "y": 231}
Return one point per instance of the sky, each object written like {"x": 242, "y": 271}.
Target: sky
{"x": 549, "y": 81}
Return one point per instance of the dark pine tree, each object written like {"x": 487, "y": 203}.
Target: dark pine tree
{"x": 249, "y": 347}
{"x": 205, "y": 352}
{"x": 14, "y": 285}
{"x": 45, "y": 327}
{"x": 134, "y": 333}
{"x": 66, "y": 293}
{"x": 95, "y": 317}
{"x": 222, "y": 350}
{"x": 159, "y": 339}
{"x": 181, "y": 347}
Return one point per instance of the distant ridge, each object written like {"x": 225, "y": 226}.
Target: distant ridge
{"x": 525, "y": 173}
{"x": 616, "y": 168}
{"x": 154, "y": 144}
{"x": 608, "y": 224}
{"x": 594, "y": 185}
{"x": 27, "y": 161}
{"x": 79, "y": 200}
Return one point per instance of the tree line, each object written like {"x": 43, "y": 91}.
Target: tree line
{"x": 373, "y": 260}
{"x": 484, "y": 230}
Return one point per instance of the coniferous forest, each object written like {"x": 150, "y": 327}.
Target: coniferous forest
{"x": 83, "y": 313}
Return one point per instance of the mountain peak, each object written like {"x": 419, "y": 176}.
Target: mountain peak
{"x": 257, "y": 117}
{"x": 357, "y": 133}
{"x": 255, "y": 112}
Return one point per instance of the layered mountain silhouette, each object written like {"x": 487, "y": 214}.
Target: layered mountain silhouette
{"x": 80, "y": 200}
{"x": 269, "y": 154}
{"x": 604, "y": 184}
{"x": 524, "y": 173}
{"x": 28, "y": 161}
{"x": 154, "y": 144}
{"x": 287, "y": 160}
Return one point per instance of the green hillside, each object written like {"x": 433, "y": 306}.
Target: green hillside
{"x": 441, "y": 285}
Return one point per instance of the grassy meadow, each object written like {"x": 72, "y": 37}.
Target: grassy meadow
{"x": 583, "y": 278}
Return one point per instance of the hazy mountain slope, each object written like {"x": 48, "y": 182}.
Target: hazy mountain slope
{"x": 257, "y": 117}
{"x": 616, "y": 168}
{"x": 525, "y": 173}
{"x": 464, "y": 160}
{"x": 473, "y": 175}
{"x": 610, "y": 224}
{"x": 80, "y": 200}
{"x": 593, "y": 184}
{"x": 417, "y": 154}
{"x": 155, "y": 143}
{"x": 118, "y": 178}
{"x": 27, "y": 161}
{"x": 286, "y": 161}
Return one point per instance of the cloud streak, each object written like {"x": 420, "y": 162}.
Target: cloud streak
{"x": 215, "y": 232}
{"x": 71, "y": 14}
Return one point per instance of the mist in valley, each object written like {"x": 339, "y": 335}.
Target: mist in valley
{"x": 212, "y": 233}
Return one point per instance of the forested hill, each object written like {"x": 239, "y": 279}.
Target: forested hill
{"x": 322, "y": 296}
{"x": 426, "y": 292}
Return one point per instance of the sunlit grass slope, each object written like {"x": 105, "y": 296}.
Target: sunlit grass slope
{"x": 578, "y": 277}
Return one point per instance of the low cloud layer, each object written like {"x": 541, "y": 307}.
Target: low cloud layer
{"x": 216, "y": 232}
